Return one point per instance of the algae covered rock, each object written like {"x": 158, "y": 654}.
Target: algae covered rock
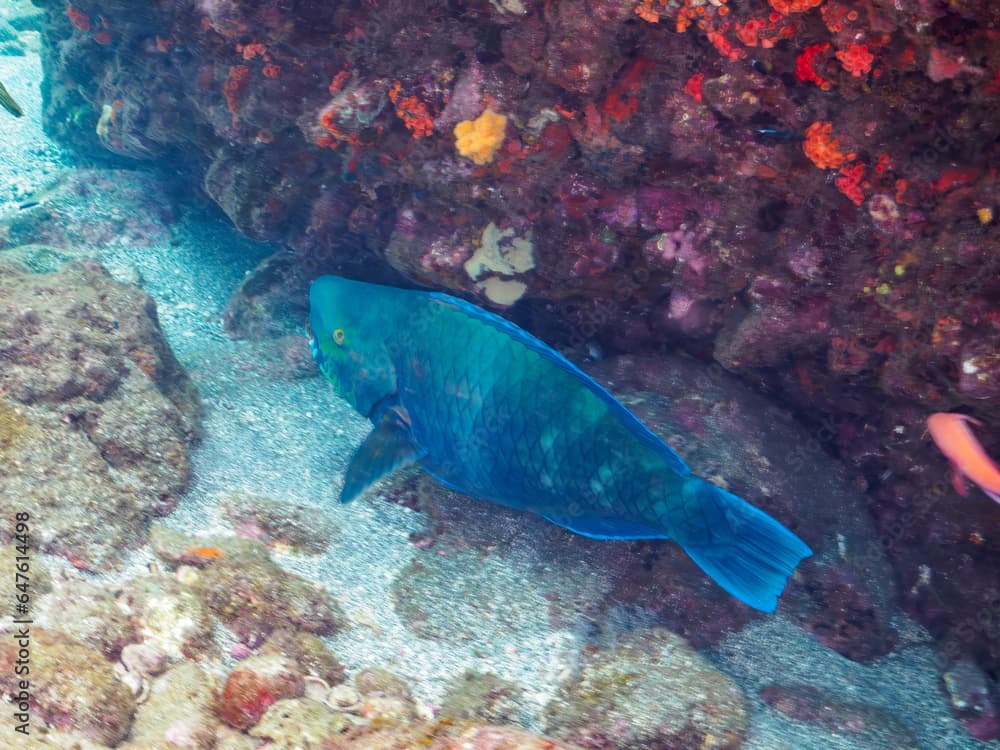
{"x": 652, "y": 690}
{"x": 255, "y": 685}
{"x": 386, "y": 699}
{"x": 88, "y": 612}
{"x": 53, "y": 739}
{"x": 59, "y": 478}
{"x": 179, "y": 712}
{"x": 308, "y": 651}
{"x": 253, "y": 596}
{"x": 39, "y": 258}
{"x": 303, "y": 528}
{"x": 144, "y": 659}
{"x": 498, "y": 738}
{"x": 866, "y": 727}
{"x": 485, "y": 698}
{"x": 971, "y": 699}
{"x": 41, "y": 578}
{"x": 245, "y": 588}
{"x": 97, "y": 414}
{"x": 443, "y": 735}
{"x": 300, "y": 724}
{"x": 227, "y": 738}
{"x": 83, "y": 210}
{"x": 175, "y": 547}
{"x": 377, "y": 682}
{"x": 72, "y": 687}
{"x": 169, "y": 615}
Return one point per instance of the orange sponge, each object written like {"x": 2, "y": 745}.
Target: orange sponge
{"x": 479, "y": 139}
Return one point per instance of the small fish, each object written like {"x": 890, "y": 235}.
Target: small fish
{"x": 955, "y": 440}
{"x": 491, "y": 411}
{"x": 8, "y": 103}
{"x": 777, "y": 134}
{"x": 28, "y": 204}
{"x": 205, "y": 553}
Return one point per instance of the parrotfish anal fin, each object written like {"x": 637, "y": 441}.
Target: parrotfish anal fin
{"x": 389, "y": 446}
{"x": 606, "y": 528}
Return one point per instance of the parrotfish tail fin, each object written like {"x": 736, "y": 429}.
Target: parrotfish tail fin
{"x": 742, "y": 548}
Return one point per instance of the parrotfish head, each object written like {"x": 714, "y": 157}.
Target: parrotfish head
{"x": 347, "y": 338}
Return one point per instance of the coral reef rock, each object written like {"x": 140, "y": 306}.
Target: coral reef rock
{"x": 255, "y": 685}
{"x": 179, "y": 712}
{"x": 303, "y": 528}
{"x": 245, "y": 588}
{"x": 73, "y": 687}
{"x": 300, "y": 724}
{"x": 308, "y": 651}
{"x": 485, "y": 698}
{"x": 253, "y": 596}
{"x": 84, "y": 211}
{"x": 96, "y": 414}
{"x": 651, "y": 690}
{"x": 88, "y": 612}
{"x": 868, "y": 726}
{"x": 169, "y": 616}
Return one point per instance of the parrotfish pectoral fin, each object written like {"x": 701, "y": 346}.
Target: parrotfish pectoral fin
{"x": 607, "y": 528}
{"x": 742, "y": 548}
{"x": 388, "y": 447}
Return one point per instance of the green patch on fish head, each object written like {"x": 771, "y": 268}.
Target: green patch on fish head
{"x": 347, "y": 329}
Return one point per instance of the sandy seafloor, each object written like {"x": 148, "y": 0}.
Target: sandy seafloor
{"x": 291, "y": 440}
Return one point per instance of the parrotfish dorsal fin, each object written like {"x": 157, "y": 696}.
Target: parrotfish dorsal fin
{"x": 388, "y": 447}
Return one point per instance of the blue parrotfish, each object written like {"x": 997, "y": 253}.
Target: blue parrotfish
{"x": 493, "y": 412}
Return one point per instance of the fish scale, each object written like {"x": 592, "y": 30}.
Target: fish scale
{"x": 491, "y": 411}
{"x": 481, "y": 430}
{"x": 503, "y": 380}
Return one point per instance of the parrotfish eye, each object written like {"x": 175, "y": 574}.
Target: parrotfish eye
{"x": 338, "y": 336}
